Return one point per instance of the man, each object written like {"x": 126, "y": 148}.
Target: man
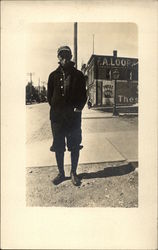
{"x": 66, "y": 97}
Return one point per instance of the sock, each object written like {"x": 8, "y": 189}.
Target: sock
{"x": 60, "y": 161}
{"x": 74, "y": 161}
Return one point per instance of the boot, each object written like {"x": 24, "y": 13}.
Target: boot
{"x": 60, "y": 163}
{"x": 58, "y": 179}
{"x": 75, "y": 180}
{"x": 74, "y": 162}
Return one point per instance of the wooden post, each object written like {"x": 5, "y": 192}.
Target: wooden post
{"x": 75, "y": 44}
{"x": 115, "y": 77}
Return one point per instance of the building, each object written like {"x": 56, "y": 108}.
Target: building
{"x": 103, "y": 72}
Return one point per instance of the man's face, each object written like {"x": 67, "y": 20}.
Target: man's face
{"x": 64, "y": 57}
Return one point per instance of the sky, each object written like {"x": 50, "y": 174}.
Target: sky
{"x": 44, "y": 39}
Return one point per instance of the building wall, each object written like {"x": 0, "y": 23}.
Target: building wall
{"x": 100, "y": 82}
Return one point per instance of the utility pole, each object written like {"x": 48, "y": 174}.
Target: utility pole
{"x": 31, "y": 94}
{"x": 93, "y": 44}
{"x": 43, "y": 83}
{"x": 115, "y": 76}
{"x": 30, "y": 74}
{"x": 39, "y": 84}
{"x": 75, "y": 44}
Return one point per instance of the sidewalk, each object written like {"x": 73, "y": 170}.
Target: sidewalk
{"x": 106, "y": 112}
{"x": 94, "y": 113}
{"x": 130, "y": 110}
{"x": 98, "y": 147}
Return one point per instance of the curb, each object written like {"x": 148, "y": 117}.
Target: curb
{"x": 98, "y": 117}
{"x": 134, "y": 164}
{"x": 112, "y": 116}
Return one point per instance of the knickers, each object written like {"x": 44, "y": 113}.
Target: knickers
{"x": 66, "y": 135}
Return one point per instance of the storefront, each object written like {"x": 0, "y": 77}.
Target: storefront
{"x": 100, "y": 82}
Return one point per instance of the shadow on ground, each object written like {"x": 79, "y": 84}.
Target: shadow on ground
{"x": 109, "y": 172}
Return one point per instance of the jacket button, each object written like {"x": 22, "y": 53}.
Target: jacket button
{"x": 62, "y": 94}
{"x": 61, "y": 87}
{"x": 61, "y": 79}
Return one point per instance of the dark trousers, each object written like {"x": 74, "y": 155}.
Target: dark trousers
{"x": 66, "y": 131}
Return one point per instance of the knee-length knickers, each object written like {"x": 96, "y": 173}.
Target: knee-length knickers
{"x": 66, "y": 131}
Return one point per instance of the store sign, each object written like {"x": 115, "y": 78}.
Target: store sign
{"x": 108, "y": 93}
{"x": 127, "y": 93}
{"x": 115, "y": 62}
{"x": 108, "y": 89}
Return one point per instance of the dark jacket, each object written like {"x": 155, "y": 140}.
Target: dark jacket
{"x": 66, "y": 90}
